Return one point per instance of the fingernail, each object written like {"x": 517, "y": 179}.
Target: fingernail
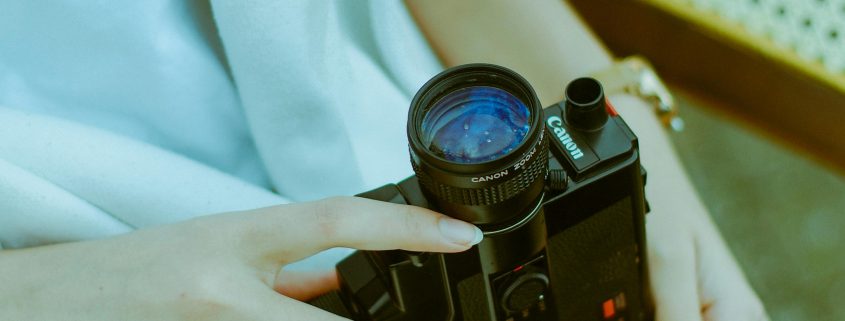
{"x": 460, "y": 232}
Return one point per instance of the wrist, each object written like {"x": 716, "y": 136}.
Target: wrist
{"x": 634, "y": 75}
{"x": 636, "y": 111}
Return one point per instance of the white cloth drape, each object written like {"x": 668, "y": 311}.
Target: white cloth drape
{"x": 120, "y": 115}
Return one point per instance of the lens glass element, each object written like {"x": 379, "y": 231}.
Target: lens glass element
{"x": 475, "y": 124}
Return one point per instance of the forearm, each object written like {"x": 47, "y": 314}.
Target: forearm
{"x": 545, "y": 41}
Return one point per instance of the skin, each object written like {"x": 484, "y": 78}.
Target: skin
{"x": 229, "y": 266}
{"x": 220, "y": 267}
{"x": 693, "y": 274}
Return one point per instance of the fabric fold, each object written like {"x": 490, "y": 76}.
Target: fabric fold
{"x": 37, "y": 212}
{"x": 137, "y": 183}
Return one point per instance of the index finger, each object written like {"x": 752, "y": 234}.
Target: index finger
{"x": 290, "y": 232}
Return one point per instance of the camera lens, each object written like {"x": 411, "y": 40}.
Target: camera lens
{"x": 475, "y": 124}
{"x": 478, "y": 146}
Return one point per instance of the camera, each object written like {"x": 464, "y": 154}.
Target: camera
{"x": 557, "y": 191}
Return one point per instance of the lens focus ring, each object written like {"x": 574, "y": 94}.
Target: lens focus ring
{"x": 507, "y": 188}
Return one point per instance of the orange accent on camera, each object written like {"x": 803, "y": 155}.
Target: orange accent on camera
{"x": 609, "y": 309}
{"x": 610, "y": 109}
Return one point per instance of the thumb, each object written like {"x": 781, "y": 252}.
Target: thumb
{"x": 288, "y": 233}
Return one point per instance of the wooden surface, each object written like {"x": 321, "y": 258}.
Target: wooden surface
{"x": 787, "y": 101}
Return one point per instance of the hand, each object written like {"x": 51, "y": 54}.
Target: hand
{"x": 693, "y": 274}
{"x": 220, "y": 267}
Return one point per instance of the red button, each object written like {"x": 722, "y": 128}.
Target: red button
{"x": 609, "y": 309}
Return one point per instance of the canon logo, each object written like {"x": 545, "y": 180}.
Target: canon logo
{"x": 490, "y": 177}
{"x": 557, "y": 127}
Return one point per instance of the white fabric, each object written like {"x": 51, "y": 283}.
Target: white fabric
{"x": 142, "y": 69}
{"x": 124, "y": 114}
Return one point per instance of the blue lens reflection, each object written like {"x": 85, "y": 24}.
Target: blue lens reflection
{"x": 475, "y": 125}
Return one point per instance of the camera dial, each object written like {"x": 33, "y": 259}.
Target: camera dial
{"x": 524, "y": 291}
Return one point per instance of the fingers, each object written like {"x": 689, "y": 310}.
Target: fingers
{"x": 305, "y": 285}
{"x": 290, "y": 232}
{"x": 725, "y": 293}
{"x": 672, "y": 270}
{"x": 693, "y": 274}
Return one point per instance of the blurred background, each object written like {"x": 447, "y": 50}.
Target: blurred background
{"x": 761, "y": 86}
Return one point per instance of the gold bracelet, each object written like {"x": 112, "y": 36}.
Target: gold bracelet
{"x": 634, "y": 75}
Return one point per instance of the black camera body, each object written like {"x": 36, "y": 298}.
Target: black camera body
{"x": 563, "y": 217}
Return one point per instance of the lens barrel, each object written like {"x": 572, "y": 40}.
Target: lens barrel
{"x": 501, "y": 189}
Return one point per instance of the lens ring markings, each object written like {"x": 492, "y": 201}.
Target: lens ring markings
{"x": 491, "y": 194}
